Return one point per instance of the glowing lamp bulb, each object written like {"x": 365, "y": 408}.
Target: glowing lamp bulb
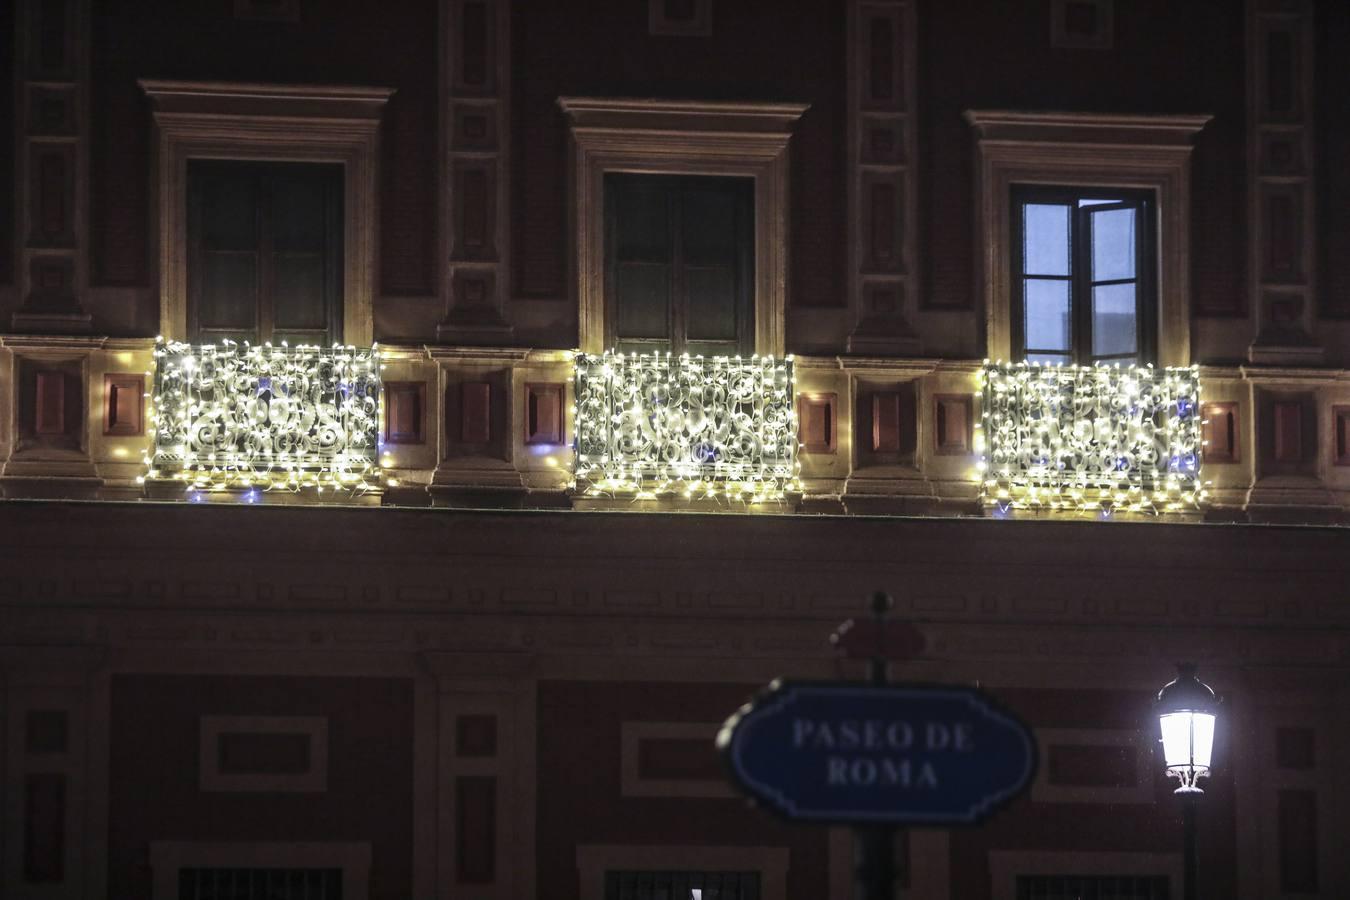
{"x": 1186, "y": 710}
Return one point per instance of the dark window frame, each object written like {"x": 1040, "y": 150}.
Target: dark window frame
{"x": 679, "y": 341}
{"x": 1144, "y": 202}
{"x": 263, "y": 174}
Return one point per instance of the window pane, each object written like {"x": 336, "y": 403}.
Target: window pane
{"x": 298, "y": 291}
{"x": 228, "y": 286}
{"x": 709, "y": 225}
{"x": 642, "y": 300}
{"x": 297, "y": 212}
{"x": 712, "y": 303}
{"x": 1049, "y": 359}
{"x": 1112, "y": 244}
{"x": 1045, "y": 239}
{"x": 227, "y": 214}
{"x": 1047, "y": 314}
{"x": 642, "y": 223}
{"x": 1114, "y": 320}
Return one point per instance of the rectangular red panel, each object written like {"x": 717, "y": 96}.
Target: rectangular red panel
{"x": 51, "y": 211}
{"x": 886, "y": 422}
{"x": 46, "y": 731}
{"x": 52, "y": 41}
{"x": 951, "y": 424}
{"x": 1281, "y": 73}
{"x": 476, "y": 829}
{"x": 1282, "y": 238}
{"x": 816, "y": 422}
{"x": 475, "y": 211}
{"x": 1221, "y": 433}
{"x": 473, "y": 196}
{"x": 1298, "y": 841}
{"x": 123, "y": 401}
{"x": 51, "y": 403}
{"x": 476, "y": 735}
{"x": 543, "y": 413}
{"x": 267, "y": 10}
{"x": 264, "y": 753}
{"x": 678, "y": 758}
{"x": 44, "y": 828}
{"x": 404, "y": 417}
{"x": 1340, "y": 421}
{"x": 475, "y": 49}
{"x": 1093, "y": 765}
{"x": 1295, "y": 748}
{"x": 883, "y": 223}
{"x": 475, "y": 412}
{"x": 1288, "y": 431}
{"x": 882, "y": 69}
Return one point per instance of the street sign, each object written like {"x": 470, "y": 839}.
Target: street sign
{"x": 895, "y": 754}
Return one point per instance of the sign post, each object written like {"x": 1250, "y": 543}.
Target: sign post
{"x": 877, "y": 756}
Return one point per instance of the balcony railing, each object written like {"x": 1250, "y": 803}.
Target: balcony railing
{"x": 1099, "y": 438}
{"x": 660, "y": 425}
{"x": 236, "y": 415}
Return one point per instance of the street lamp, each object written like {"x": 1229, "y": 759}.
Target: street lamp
{"x": 1186, "y": 711}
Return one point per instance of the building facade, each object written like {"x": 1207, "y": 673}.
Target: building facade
{"x": 422, "y": 425}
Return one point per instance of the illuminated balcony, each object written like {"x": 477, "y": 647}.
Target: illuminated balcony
{"x": 657, "y": 425}
{"x": 240, "y": 416}
{"x": 1099, "y": 438}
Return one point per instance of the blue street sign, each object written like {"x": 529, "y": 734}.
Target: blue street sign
{"x": 855, "y": 753}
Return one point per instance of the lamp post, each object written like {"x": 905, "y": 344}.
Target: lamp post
{"x": 1186, "y": 709}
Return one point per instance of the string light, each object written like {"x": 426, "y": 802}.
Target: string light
{"x": 244, "y": 416}
{"x": 1090, "y": 437}
{"x": 656, "y": 425}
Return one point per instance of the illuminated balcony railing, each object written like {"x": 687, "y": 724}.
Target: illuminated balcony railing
{"x": 236, "y": 415}
{"x": 660, "y": 425}
{"x": 1091, "y": 437}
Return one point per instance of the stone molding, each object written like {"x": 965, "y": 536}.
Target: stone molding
{"x": 1134, "y": 151}
{"x": 305, "y": 123}
{"x": 683, "y": 138}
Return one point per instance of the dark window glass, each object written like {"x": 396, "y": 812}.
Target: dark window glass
{"x": 265, "y": 252}
{"x": 1083, "y": 276}
{"x": 679, "y": 263}
{"x": 681, "y": 886}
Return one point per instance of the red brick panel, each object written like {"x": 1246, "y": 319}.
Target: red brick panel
{"x": 154, "y": 740}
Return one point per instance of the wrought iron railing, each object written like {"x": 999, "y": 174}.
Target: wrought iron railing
{"x": 661, "y": 425}
{"x": 1099, "y": 437}
{"x": 236, "y": 415}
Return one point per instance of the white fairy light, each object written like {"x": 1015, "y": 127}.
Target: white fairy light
{"x": 657, "y": 425}
{"x": 238, "y": 415}
{"x": 1090, "y": 437}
